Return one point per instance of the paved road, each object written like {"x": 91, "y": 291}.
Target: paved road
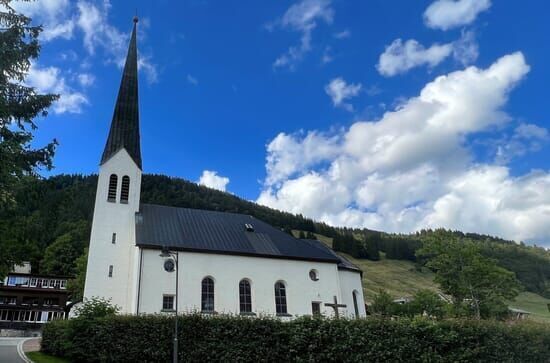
{"x": 8, "y": 350}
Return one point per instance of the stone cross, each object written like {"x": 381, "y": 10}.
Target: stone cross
{"x": 335, "y": 306}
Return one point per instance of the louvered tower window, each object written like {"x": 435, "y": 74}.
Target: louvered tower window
{"x": 125, "y": 190}
{"x": 113, "y": 181}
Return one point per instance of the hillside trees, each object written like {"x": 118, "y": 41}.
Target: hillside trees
{"x": 476, "y": 283}
{"x": 347, "y": 242}
{"x": 47, "y": 209}
{"x": 399, "y": 247}
{"x": 76, "y": 285}
{"x": 529, "y": 264}
{"x": 19, "y": 106}
{"x": 60, "y": 258}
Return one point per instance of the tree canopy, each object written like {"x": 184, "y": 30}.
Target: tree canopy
{"x": 50, "y": 208}
{"x": 20, "y": 105}
{"x": 476, "y": 283}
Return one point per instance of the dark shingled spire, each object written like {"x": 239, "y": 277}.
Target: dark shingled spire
{"x": 124, "y": 131}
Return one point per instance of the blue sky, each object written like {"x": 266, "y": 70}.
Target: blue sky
{"x": 388, "y": 114}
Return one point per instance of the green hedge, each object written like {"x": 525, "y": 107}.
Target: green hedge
{"x": 149, "y": 339}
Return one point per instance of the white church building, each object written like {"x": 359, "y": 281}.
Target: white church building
{"x": 222, "y": 263}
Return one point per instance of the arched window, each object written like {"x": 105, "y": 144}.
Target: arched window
{"x": 355, "y": 305}
{"x": 280, "y": 298}
{"x": 207, "y": 295}
{"x": 125, "y": 189}
{"x": 245, "y": 297}
{"x": 113, "y": 181}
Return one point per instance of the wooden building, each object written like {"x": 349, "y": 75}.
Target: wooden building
{"x": 28, "y": 300}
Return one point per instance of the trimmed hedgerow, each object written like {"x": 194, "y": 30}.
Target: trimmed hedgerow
{"x": 222, "y": 338}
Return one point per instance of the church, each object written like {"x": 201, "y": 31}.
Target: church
{"x": 152, "y": 259}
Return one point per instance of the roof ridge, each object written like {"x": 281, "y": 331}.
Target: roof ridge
{"x": 203, "y": 210}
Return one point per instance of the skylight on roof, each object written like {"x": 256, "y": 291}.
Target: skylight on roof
{"x": 249, "y": 227}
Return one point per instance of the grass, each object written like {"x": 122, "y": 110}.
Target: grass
{"x": 403, "y": 279}
{"x": 533, "y": 303}
{"x": 39, "y": 357}
{"x": 398, "y": 278}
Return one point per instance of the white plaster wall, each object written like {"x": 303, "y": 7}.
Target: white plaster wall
{"x": 23, "y": 268}
{"x": 351, "y": 281}
{"x": 116, "y": 218}
{"x": 227, "y": 271}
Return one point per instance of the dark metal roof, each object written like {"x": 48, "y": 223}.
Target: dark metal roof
{"x": 343, "y": 262}
{"x": 218, "y": 232}
{"x": 124, "y": 132}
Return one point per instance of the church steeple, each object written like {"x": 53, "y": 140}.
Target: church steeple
{"x": 124, "y": 132}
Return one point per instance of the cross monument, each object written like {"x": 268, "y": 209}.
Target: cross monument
{"x": 335, "y": 306}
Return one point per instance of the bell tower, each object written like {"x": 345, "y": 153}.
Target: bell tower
{"x": 112, "y": 257}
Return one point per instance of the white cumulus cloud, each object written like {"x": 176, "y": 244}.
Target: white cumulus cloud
{"x": 54, "y": 15}
{"x": 399, "y": 57}
{"x": 412, "y": 168}
{"x": 283, "y": 151}
{"x": 212, "y": 180}
{"x": 339, "y": 91}
{"x": 51, "y": 80}
{"x": 448, "y": 14}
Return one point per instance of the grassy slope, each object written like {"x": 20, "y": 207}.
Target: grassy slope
{"x": 401, "y": 278}
{"x": 398, "y": 278}
{"x": 535, "y": 304}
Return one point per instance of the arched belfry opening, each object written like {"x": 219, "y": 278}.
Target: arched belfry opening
{"x": 111, "y": 194}
{"x": 125, "y": 189}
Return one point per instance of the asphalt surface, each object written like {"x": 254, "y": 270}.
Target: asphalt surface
{"x": 8, "y": 350}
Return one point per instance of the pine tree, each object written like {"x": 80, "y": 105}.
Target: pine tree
{"x": 19, "y": 106}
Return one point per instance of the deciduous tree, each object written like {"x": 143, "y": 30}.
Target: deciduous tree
{"x": 476, "y": 283}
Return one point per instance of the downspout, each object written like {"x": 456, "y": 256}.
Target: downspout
{"x": 139, "y": 279}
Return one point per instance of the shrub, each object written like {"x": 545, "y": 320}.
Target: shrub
{"x": 429, "y": 303}
{"x": 96, "y": 308}
{"x": 223, "y": 338}
{"x": 383, "y": 304}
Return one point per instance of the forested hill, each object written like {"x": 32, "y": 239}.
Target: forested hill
{"x": 50, "y": 226}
